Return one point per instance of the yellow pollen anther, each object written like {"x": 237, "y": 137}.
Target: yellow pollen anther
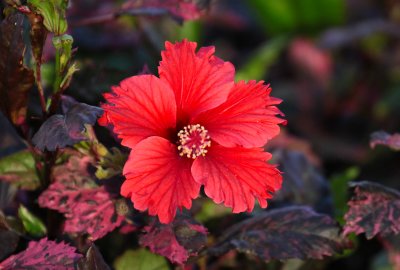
{"x": 193, "y": 141}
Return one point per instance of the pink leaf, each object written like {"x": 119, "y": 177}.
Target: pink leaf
{"x": 374, "y": 209}
{"x": 43, "y": 255}
{"x": 177, "y": 241}
{"x": 310, "y": 59}
{"x": 87, "y": 207}
{"x": 384, "y": 138}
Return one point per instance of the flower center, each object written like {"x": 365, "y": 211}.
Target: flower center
{"x": 193, "y": 141}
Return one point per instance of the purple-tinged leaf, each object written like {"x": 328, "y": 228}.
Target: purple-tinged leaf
{"x": 284, "y": 233}
{"x": 177, "y": 241}
{"x": 334, "y": 38}
{"x": 87, "y": 207}
{"x": 15, "y": 79}
{"x": 43, "y": 255}
{"x": 7, "y": 235}
{"x": 384, "y": 138}
{"x": 180, "y": 9}
{"x": 62, "y": 130}
{"x": 302, "y": 183}
{"x": 93, "y": 260}
{"x": 373, "y": 209}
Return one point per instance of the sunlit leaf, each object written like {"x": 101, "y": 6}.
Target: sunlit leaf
{"x": 373, "y": 209}
{"x": 140, "y": 259}
{"x": 285, "y": 233}
{"x": 15, "y": 79}
{"x": 43, "y": 255}
{"x": 53, "y": 13}
{"x": 210, "y": 210}
{"x": 257, "y": 66}
{"x": 32, "y": 224}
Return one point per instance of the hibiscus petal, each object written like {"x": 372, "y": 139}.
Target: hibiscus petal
{"x": 158, "y": 179}
{"x": 237, "y": 176}
{"x": 247, "y": 118}
{"x": 200, "y": 81}
{"x": 142, "y": 106}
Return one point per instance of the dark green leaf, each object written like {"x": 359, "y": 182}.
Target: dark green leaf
{"x": 287, "y": 16}
{"x": 339, "y": 187}
{"x": 8, "y": 236}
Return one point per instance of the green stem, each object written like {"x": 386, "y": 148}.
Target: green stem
{"x": 57, "y": 81}
{"x": 42, "y": 98}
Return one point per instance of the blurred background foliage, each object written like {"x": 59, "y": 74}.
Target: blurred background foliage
{"x": 335, "y": 64}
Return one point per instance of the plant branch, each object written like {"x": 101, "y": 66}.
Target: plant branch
{"x": 148, "y": 11}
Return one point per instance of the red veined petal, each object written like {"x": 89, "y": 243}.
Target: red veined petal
{"x": 247, "y": 118}
{"x": 142, "y": 106}
{"x": 158, "y": 179}
{"x": 200, "y": 80}
{"x": 237, "y": 176}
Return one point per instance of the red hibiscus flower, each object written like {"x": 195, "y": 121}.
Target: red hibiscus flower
{"x": 194, "y": 126}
